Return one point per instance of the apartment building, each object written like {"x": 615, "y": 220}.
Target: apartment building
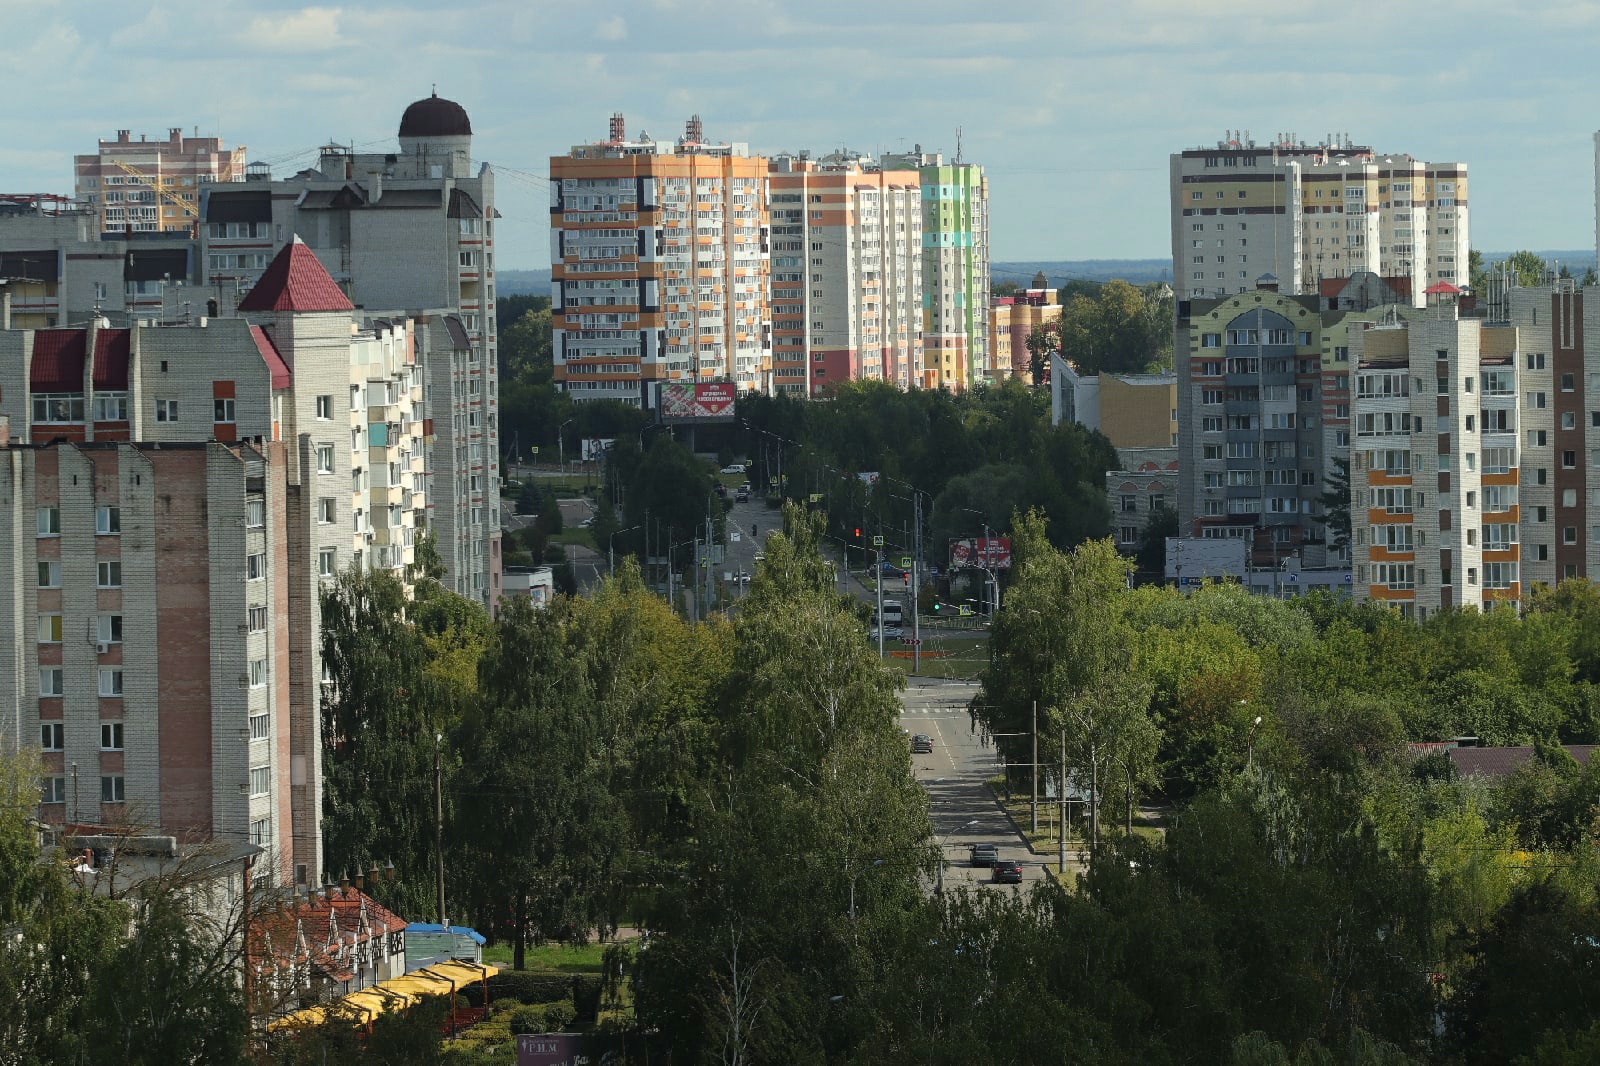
{"x": 1439, "y": 508}
{"x": 1012, "y": 320}
{"x": 955, "y": 268}
{"x": 1307, "y": 213}
{"x": 178, "y": 496}
{"x": 147, "y": 186}
{"x": 847, "y": 273}
{"x": 403, "y": 234}
{"x": 660, "y": 264}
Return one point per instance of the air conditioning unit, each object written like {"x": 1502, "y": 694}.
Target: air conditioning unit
{"x": 103, "y": 648}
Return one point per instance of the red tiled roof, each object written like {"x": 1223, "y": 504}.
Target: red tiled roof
{"x": 296, "y": 281}
{"x": 270, "y": 356}
{"x": 111, "y": 353}
{"x": 58, "y": 356}
{"x": 1441, "y": 287}
{"x": 275, "y": 933}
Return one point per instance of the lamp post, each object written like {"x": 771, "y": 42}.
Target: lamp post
{"x": 1250, "y": 743}
{"x": 561, "y": 442}
{"x": 853, "y": 874}
{"x": 940, "y": 888}
{"x": 611, "y": 551}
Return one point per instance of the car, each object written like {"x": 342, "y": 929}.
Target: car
{"x": 745, "y": 487}
{"x": 984, "y": 854}
{"x": 733, "y": 468}
{"x": 586, "y": 523}
{"x": 887, "y": 567}
{"x": 921, "y": 744}
{"x": 742, "y": 496}
{"x": 890, "y": 632}
{"x": 1006, "y": 871}
{"x": 742, "y": 577}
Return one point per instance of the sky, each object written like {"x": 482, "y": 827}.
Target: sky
{"x": 1072, "y": 106}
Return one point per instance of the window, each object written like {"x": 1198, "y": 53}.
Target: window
{"x": 110, "y": 736}
{"x": 258, "y": 673}
{"x": 57, "y": 407}
{"x": 1210, "y": 340}
{"x": 109, "y": 574}
{"x": 112, "y": 789}
{"x": 327, "y": 562}
{"x": 324, "y": 407}
{"x": 260, "y": 726}
{"x": 261, "y": 832}
{"x": 327, "y": 510}
{"x": 166, "y": 410}
{"x": 111, "y": 407}
{"x": 50, "y": 681}
{"x": 255, "y": 566}
{"x": 223, "y": 410}
{"x": 108, "y": 521}
{"x": 49, "y": 629}
{"x": 1536, "y": 361}
{"x": 255, "y": 513}
{"x": 324, "y": 458}
{"x": 53, "y": 790}
{"x": 1569, "y": 460}
{"x": 49, "y": 521}
{"x": 111, "y": 681}
{"x": 49, "y": 574}
{"x": 1127, "y": 504}
{"x": 1536, "y": 400}
{"x": 260, "y": 780}
{"x": 52, "y": 736}
{"x": 108, "y": 629}
{"x": 1569, "y": 497}
{"x": 257, "y": 619}
{"x": 1568, "y": 382}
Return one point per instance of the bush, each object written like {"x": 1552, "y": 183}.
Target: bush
{"x": 586, "y": 990}
{"x": 527, "y": 1020}
{"x": 523, "y": 986}
{"x": 543, "y": 1018}
{"x": 558, "y": 1017}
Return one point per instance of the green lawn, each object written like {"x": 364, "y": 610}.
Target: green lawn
{"x": 1045, "y": 840}
{"x": 574, "y": 535}
{"x": 942, "y": 655}
{"x": 587, "y": 958}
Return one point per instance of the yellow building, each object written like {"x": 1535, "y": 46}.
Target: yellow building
{"x": 147, "y": 186}
{"x": 1012, "y": 320}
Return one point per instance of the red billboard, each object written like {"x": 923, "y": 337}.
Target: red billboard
{"x": 684, "y": 402}
{"x": 991, "y": 552}
{"x": 549, "y": 1049}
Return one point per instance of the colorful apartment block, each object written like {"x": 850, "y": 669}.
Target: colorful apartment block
{"x": 846, "y": 273}
{"x": 660, "y": 264}
{"x": 1012, "y": 320}
{"x": 1308, "y": 213}
{"x": 1436, "y": 470}
{"x": 147, "y": 186}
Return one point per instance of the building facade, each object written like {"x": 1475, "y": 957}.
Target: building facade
{"x": 1309, "y": 213}
{"x": 1436, "y": 471}
{"x": 147, "y": 186}
{"x": 1012, "y": 320}
{"x": 660, "y": 261}
{"x": 847, "y": 273}
{"x": 179, "y": 495}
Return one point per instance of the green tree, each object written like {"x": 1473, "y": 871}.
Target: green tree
{"x": 1527, "y": 268}
{"x": 1477, "y": 272}
{"x": 1120, "y": 329}
{"x": 1336, "y": 505}
{"x": 1161, "y": 523}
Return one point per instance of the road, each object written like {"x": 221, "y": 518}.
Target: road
{"x": 962, "y": 809}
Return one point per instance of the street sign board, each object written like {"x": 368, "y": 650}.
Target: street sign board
{"x": 905, "y": 562}
{"x": 877, "y": 542}
{"x": 911, "y": 640}
{"x": 991, "y": 552}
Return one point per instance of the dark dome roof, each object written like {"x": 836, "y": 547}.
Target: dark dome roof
{"x": 435, "y": 117}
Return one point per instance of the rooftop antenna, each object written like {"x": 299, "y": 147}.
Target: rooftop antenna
{"x": 958, "y": 144}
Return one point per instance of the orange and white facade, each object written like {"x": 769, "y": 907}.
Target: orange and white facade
{"x": 846, "y": 273}
{"x": 1012, "y": 320}
{"x": 178, "y": 166}
{"x": 1435, "y": 472}
{"x": 660, "y": 265}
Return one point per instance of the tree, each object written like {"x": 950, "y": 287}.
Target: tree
{"x": 1120, "y": 329}
{"x": 1043, "y": 340}
{"x": 1527, "y": 269}
{"x": 1161, "y": 523}
{"x": 1478, "y": 273}
{"x": 1336, "y": 505}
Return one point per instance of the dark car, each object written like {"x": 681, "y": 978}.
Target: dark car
{"x": 984, "y": 854}
{"x": 1007, "y": 871}
{"x": 922, "y": 744}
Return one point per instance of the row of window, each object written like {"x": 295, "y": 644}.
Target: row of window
{"x": 52, "y": 681}
{"x": 112, "y": 789}
{"x": 52, "y": 736}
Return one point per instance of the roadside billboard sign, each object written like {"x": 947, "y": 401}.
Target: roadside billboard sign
{"x": 991, "y": 552}
{"x": 681, "y": 401}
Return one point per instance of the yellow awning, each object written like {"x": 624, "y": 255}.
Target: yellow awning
{"x": 300, "y": 1019}
{"x": 397, "y": 993}
{"x": 458, "y": 973}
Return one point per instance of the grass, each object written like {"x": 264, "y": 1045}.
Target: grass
{"x": 566, "y": 958}
{"x": 574, "y": 535}
{"x": 1045, "y": 840}
{"x": 941, "y": 656}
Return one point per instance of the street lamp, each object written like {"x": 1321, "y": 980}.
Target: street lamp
{"x": 611, "y": 551}
{"x": 947, "y": 836}
{"x": 1250, "y": 742}
{"x": 853, "y": 875}
{"x": 561, "y": 442}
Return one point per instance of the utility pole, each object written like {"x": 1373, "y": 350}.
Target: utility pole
{"x": 916, "y": 583}
{"x": 1033, "y": 807}
{"x": 1061, "y": 798}
{"x": 877, "y": 542}
{"x": 438, "y": 818}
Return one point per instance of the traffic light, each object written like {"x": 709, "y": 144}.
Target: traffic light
{"x": 858, "y": 532}
{"x": 937, "y": 606}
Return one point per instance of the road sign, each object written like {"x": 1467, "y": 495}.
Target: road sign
{"x": 905, "y": 562}
{"x": 911, "y": 640}
{"x": 816, "y": 497}
{"x": 877, "y": 542}
{"x": 733, "y": 535}
{"x": 964, "y": 610}
{"x": 534, "y": 449}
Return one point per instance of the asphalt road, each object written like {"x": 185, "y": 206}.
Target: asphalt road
{"x": 963, "y": 811}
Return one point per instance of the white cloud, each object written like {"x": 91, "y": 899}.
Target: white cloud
{"x": 306, "y": 30}
{"x": 614, "y": 28}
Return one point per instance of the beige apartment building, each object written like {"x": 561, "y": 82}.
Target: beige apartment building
{"x": 179, "y": 496}
{"x": 660, "y": 263}
{"x": 147, "y": 186}
{"x": 846, "y": 273}
{"x": 1012, "y": 320}
{"x": 1307, "y": 213}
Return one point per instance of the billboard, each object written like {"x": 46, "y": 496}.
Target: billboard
{"x": 682, "y": 402}
{"x": 991, "y": 552}
{"x": 549, "y": 1049}
{"x": 596, "y": 447}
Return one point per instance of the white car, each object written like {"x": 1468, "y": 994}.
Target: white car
{"x": 733, "y": 468}
{"x": 890, "y": 632}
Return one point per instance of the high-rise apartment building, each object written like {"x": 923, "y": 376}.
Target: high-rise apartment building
{"x": 1305, "y": 214}
{"x": 147, "y": 186}
{"x": 402, "y": 234}
{"x": 660, "y": 265}
{"x": 1438, "y": 501}
{"x": 179, "y": 496}
{"x": 955, "y": 268}
{"x": 847, "y": 287}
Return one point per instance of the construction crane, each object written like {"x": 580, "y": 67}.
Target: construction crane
{"x": 160, "y": 188}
